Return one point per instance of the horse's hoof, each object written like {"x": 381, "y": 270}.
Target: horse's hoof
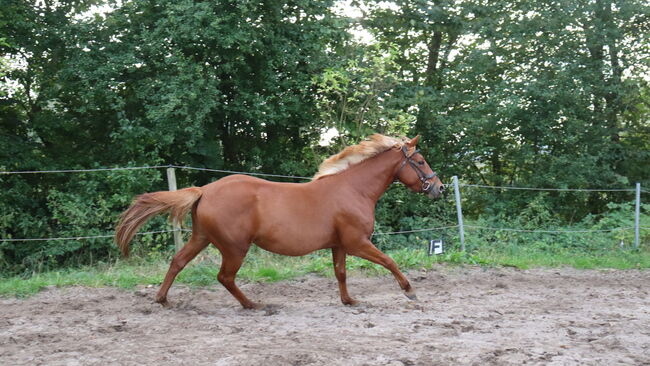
{"x": 163, "y": 302}
{"x": 254, "y": 306}
{"x": 411, "y": 295}
{"x": 350, "y": 302}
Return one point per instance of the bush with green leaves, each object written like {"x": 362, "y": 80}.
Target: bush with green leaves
{"x": 521, "y": 93}
{"x": 71, "y": 205}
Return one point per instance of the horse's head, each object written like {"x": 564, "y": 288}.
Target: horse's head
{"x": 415, "y": 173}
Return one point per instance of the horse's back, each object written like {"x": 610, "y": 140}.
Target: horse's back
{"x": 285, "y": 218}
{"x": 222, "y": 205}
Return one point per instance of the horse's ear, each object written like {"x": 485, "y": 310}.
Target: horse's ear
{"x": 414, "y": 141}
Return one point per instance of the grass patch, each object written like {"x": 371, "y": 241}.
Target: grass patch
{"x": 261, "y": 266}
{"x": 124, "y": 274}
{"x": 524, "y": 258}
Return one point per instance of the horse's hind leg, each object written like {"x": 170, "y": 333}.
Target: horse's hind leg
{"x": 339, "y": 255}
{"x": 230, "y": 264}
{"x": 195, "y": 245}
{"x": 367, "y": 250}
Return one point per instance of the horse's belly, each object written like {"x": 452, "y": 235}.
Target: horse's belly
{"x": 292, "y": 222}
{"x": 295, "y": 241}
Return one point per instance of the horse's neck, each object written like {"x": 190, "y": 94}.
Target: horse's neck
{"x": 372, "y": 177}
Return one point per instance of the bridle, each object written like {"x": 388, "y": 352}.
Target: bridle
{"x": 424, "y": 178}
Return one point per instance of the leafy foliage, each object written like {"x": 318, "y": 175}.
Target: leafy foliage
{"x": 507, "y": 92}
{"x": 224, "y": 84}
{"x": 525, "y": 93}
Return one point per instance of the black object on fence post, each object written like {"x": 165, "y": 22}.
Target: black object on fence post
{"x": 459, "y": 211}
{"x": 171, "y": 181}
{"x": 637, "y": 210}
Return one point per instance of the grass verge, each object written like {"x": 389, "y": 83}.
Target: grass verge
{"x": 265, "y": 267}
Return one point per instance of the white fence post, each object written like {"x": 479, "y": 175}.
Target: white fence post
{"x": 171, "y": 181}
{"x": 637, "y": 211}
{"x": 459, "y": 211}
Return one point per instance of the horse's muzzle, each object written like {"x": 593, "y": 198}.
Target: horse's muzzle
{"x": 435, "y": 191}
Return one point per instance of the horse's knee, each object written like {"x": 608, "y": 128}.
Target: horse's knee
{"x": 177, "y": 264}
{"x": 225, "y": 279}
{"x": 339, "y": 273}
{"x": 388, "y": 261}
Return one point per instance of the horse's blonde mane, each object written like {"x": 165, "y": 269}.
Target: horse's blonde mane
{"x": 355, "y": 154}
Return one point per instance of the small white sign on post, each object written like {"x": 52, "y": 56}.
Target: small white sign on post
{"x": 435, "y": 246}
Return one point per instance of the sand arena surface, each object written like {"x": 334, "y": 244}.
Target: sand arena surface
{"x": 465, "y": 315}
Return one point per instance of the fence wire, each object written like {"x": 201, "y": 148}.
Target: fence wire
{"x": 551, "y": 231}
{"x": 187, "y": 230}
{"x": 414, "y": 231}
{"x": 236, "y": 172}
{"x": 82, "y": 170}
{"x": 373, "y": 234}
{"x": 306, "y": 178}
{"x": 309, "y": 178}
{"x": 551, "y": 189}
{"x": 85, "y": 237}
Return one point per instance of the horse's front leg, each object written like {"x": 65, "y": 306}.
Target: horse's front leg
{"x": 339, "y": 255}
{"x": 366, "y": 250}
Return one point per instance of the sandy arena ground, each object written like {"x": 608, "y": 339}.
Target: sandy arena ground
{"x": 464, "y": 316}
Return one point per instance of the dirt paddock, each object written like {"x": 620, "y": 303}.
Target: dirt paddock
{"x": 464, "y": 315}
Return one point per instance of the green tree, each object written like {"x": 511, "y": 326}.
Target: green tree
{"x": 525, "y": 93}
{"x": 358, "y": 97}
{"x": 224, "y": 84}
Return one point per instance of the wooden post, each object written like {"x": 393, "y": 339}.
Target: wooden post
{"x": 637, "y": 211}
{"x": 459, "y": 211}
{"x": 171, "y": 181}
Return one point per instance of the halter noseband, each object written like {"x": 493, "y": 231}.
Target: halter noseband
{"x": 424, "y": 178}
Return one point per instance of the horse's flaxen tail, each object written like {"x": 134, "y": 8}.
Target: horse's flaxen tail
{"x": 176, "y": 203}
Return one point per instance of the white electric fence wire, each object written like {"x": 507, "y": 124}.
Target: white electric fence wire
{"x": 550, "y": 231}
{"x": 186, "y": 230}
{"x": 309, "y": 178}
{"x": 82, "y": 170}
{"x": 86, "y": 237}
{"x": 551, "y": 189}
{"x": 383, "y": 233}
{"x": 236, "y": 172}
{"x": 414, "y": 231}
{"x": 151, "y": 167}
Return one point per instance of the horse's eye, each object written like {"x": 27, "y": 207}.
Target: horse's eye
{"x": 421, "y": 162}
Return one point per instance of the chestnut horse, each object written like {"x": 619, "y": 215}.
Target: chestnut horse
{"x": 335, "y": 210}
